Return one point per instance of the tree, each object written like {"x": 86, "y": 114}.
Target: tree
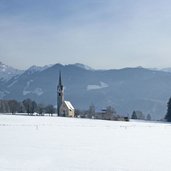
{"x": 138, "y": 115}
{"x": 6, "y": 106}
{"x": 134, "y": 116}
{"x": 13, "y": 106}
{"x": 40, "y": 109}
{"x": 33, "y": 107}
{"x": 27, "y": 104}
{"x": 78, "y": 113}
{"x": 148, "y": 117}
{"x": 168, "y": 114}
{"x": 2, "y": 106}
{"x": 50, "y": 109}
{"x": 91, "y": 111}
{"x": 109, "y": 113}
{"x": 21, "y": 108}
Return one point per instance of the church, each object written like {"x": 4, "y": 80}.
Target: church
{"x": 64, "y": 108}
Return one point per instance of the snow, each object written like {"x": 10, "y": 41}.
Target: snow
{"x": 26, "y": 91}
{"x": 35, "y": 68}
{"x": 7, "y": 72}
{"x": 95, "y": 87}
{"x": 86, "y": 67}
{"x": 69, "y": 105}
{"x": 14, "y": 82}
{"x": 3, "y": 69}
{"x": 3, "y": 93}
{"x": 38, "y": 91}
{"x": 69, "y": 144}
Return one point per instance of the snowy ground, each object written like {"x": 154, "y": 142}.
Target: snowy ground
{"x": 67, "y": 144}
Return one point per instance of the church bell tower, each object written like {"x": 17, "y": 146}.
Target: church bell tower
{"x": 60, "y": 95}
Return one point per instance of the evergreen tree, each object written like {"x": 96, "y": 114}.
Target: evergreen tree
{"x": 148, "y": 117}
{"x": 168, "y": 114}
{"x": 134, "y": 116}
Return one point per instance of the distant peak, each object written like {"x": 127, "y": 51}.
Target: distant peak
{"x": 7, "y": 72}
{"x": 139, "y": 67}
{"x": 35, "y": 68}
{"x": 5, "y": 67}
{"x": 83, "y": 66}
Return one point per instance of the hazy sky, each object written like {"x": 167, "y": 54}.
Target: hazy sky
{"x": 99, "y": 33}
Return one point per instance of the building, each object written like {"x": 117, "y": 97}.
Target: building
{"x": 64, "y": 108}
{"x": 67, "y": 109}
{"x": 60, "y": 94}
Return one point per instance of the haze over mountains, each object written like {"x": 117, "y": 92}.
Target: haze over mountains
{"x": 126, "y": 89}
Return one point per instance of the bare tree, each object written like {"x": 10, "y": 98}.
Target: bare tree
{"x": 40, "y": 109}
{"x": 91, "y": 111}
{"x": 13, "y": 106}
{"x": 50, "y": 109}
{"x": 27, "y": 104}
{"x": 109, "y": 113}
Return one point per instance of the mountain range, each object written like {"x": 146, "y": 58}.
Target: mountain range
{"x": 127, "y": 89}
{"x": 7, "y": 72}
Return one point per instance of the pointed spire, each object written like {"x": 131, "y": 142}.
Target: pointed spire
{"x": 60, "y": 79}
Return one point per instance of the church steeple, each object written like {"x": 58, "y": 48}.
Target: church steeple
{"x": 60, "y": 94}
{"x": 60, "y": 79}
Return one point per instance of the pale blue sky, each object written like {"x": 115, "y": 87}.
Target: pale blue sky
{"x": 98, "y": 33}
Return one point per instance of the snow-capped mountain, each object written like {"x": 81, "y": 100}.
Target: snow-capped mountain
{"x": 126, "y": 89}
{"x": 83, "y": 66}
{"x": 7, "y": 72}
{"x": 162, "y": 69}
{"x": 166, "y": 69}
{"x": 35, "y": 68}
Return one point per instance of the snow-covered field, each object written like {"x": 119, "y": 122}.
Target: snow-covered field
{"x": 68, "y": 144}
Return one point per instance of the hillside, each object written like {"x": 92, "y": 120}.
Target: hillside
{"x": 7, "y": 72}
{"x": 126, "y": 89}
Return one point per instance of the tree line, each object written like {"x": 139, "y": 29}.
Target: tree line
{"x": 140, "y": 115}
{"x": 26, "y": 106}
{"x": 108, "y": 113}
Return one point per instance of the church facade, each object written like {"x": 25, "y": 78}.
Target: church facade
{"x": 64, "y": 108}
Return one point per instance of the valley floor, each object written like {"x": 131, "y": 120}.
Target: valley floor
{"x": 67, "y": 144}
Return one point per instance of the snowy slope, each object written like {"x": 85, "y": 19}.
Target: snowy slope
{"x": 126, "y": 90}
{"x": 35, "y": 68}
{"x": 7, "y": 72}
{"x": 67, "y": 144}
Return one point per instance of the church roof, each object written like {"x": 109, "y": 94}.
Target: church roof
{"x": 69, "y": 105}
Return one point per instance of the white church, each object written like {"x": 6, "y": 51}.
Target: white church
{"x": 64, "y": 108}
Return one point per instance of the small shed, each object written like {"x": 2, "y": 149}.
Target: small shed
{"x": 67, "y": 109}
